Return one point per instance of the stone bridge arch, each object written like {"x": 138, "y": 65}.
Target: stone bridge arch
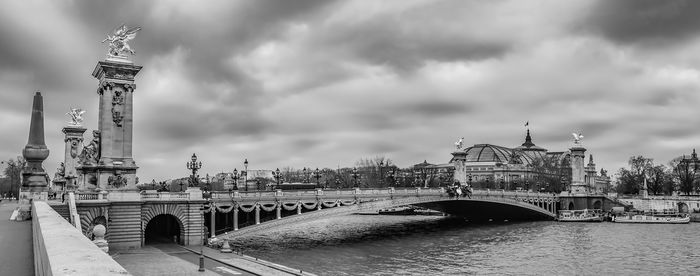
{"x": 540, "y": 208}
{"x": 177, "y": 211}
{"x": 88, "y": 217}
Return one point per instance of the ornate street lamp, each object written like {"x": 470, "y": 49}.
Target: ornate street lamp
{"x": 469, "y": 180}
{"x": 244, "y": 174}
{"x": 194, "y": 166}
{"x": 317, "y": 175}
{"x": 355, "y": 175}
{"x": 277, "y": 175}
{"x": 235, "y": 179}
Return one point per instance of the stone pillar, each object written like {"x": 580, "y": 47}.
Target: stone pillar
{"x": 116, "y": 168}
{"x": 34, "y": 177}
{"x": 257, "y": 214}
{"x": 73, "y": 146}
{"x": 299, "y": 209}
{"x": 318, "y": 206}
{"x": 578, "y": 185}
{"x": 213, "y": 221}
{"x": 279, "y": 211}
{"x": 235, "y": 218}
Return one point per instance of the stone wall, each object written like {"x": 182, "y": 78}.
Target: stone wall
{"x": 61, "y": 249}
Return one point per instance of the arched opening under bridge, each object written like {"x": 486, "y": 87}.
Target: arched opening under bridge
{"x": 164, "y": 228}
{"x": 478, "y": 210}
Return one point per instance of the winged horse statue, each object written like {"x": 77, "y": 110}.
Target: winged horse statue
{"x": 119, "y": 38}
{"x": 577, "y": 137}
{"x": 76, "y": 116}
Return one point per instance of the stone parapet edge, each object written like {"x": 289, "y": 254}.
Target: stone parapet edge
{"x": 61, "y": 249}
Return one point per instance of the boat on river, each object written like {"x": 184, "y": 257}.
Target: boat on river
{"x": 585, "y": 215}
{"x": 652, "y": 218}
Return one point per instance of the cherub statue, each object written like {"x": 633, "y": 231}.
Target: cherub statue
{"x": 76, "y": 116}
{"x": 577, "y": 137}
{"x": 119, "y": 38}
{"x": 60, "y": 171}
{"x": 459, "y": 143}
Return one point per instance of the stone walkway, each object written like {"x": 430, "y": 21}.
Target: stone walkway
{"x": 249, "y": 263}
{"x": 17, "y": 254}
{"x": 150, "y": 260}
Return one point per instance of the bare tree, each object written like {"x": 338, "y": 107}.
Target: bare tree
{"x": 13, "y": 171}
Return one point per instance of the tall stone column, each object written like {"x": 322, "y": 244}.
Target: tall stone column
{"x": 34, "y": 177}
{"x": 578, "y": 185}
{"x": 213, "y": 221}
{"x": 257, "y": 214}
{"x": 235, "y": 218}
{"x": 116, "y": 168}
{"x": 74, "y": 145}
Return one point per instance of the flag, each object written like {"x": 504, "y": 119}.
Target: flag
{"x": 527, "y": 123}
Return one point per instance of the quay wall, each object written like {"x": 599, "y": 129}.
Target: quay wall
{"x": 61, "y": 249}
{"x": 660, "y": 203}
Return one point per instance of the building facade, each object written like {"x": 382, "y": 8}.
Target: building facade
{"x": 525, "y": 167}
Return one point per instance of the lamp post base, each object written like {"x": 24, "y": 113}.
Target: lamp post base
{"x": 201, "y": 262}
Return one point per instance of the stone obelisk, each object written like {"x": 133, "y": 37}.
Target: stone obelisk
{"x": 34, "y": 178}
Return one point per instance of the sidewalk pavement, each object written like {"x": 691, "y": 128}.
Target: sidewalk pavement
{"x": 153, "y": 262}
{"x": 249, "y": 263}
{"x": 17, "y": 256}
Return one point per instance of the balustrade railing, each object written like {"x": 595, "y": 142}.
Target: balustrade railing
{"x": 165, "y": 196}
{"x": 87, "y": 196}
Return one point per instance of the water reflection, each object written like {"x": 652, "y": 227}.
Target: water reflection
{"x": 418, "y": 245}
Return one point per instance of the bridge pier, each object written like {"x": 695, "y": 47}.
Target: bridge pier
{"x": 235, "y": 218}
{"x": 279, "y": 211}
{"x": 257, "y": 214}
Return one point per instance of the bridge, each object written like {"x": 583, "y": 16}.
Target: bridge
{"x": 133, "y": 219}
{"x": 481, "y": 205}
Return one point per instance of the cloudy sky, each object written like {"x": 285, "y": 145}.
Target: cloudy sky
{"x": 325, "y": 83}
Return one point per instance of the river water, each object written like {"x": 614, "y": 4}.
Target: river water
{"x": 430, "y": 245}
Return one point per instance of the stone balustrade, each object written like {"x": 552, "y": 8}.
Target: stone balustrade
{"x": 60, "y": 248}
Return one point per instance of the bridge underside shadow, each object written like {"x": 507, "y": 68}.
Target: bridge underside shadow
{"x": 474, "y": 210}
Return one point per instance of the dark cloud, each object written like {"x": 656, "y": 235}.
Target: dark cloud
{"x": 394, "y": 42}
{"x": 318, "y": 83}
{"x": 631, "y": 21}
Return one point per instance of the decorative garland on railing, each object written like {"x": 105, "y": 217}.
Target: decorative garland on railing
{"x": 207, "y": 210}
{"x": 225, "y": 209}
{"x": 248, "y": 209}
{"x": 290, "y": 206}
{"x": 268, "y": 207}
{"x": 331, "y": 204}
{"x": 309, "y": 206}
{"x": 348, "y": 202}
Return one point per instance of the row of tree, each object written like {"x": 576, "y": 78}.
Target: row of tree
{"x": 12, "y": 172}
{"x": 679, "y": 175}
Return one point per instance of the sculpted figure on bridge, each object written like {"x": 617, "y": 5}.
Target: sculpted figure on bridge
{"x": 577, "y": 137}
{"x": 76, "y": 116}
{"x": 459, "y": 143}
{"x": 91, "y": 152}
{"x": 118, "y": 40}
